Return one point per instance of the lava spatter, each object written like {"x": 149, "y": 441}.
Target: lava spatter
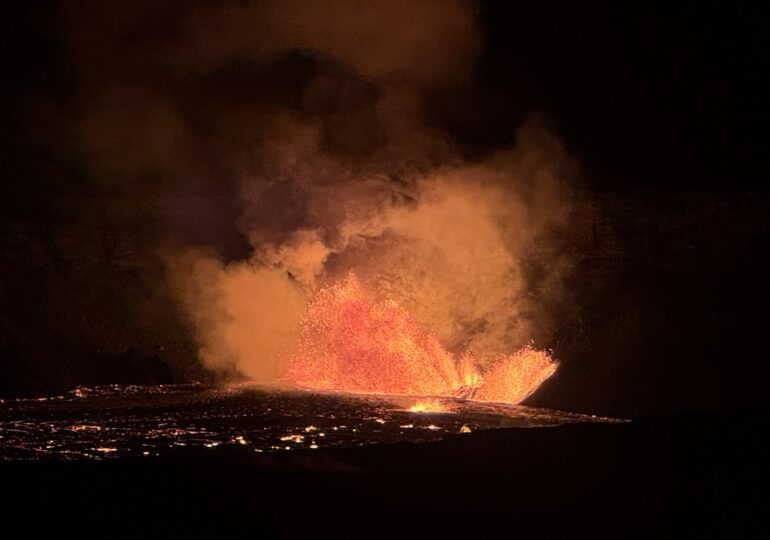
{"x": 350, "y": 343}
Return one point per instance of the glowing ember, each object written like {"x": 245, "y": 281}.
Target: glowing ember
{"x": 428, "y": 406}
{"x": 84, "y": 427}
{"x": 466, "y": 370}
{"x": 349, "y": 343}
{"x": 514, "y": 378}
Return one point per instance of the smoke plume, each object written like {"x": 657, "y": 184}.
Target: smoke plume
{"x": 448, "y": 244}
{"x": 312, "y": 115}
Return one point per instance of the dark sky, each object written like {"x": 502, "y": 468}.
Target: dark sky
{"x": 668, "y": 95}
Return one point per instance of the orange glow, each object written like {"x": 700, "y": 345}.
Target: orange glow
{"x": 427, "y": 406}
{"x": 349, "y": 343}
{"x": 515, "y": 377}
{"x": 466, "y": 370}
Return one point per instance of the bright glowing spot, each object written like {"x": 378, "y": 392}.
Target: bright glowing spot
{"x": 427, "y": 406}
{"x": 84, "y": 427}
{"x": 349, "y": 343}
{"x": 515, "y": 377}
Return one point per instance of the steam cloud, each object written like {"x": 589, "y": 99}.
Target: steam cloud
{"x": 335, "y": 165}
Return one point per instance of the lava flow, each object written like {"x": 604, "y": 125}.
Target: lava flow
{"x": 350, "y": 344}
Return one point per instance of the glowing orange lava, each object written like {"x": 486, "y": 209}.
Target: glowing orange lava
{"x": 513, "y": 378}
{"x": 427, "y": 406}
{"x": 350, "y": 344}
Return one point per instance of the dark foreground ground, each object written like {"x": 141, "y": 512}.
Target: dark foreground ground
{"x": 683, "y": 477}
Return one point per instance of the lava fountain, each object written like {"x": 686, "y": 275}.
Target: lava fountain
{"x": 349, "y": 343}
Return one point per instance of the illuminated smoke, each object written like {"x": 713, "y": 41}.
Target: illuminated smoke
{"x": 338, "y": 173}
{"x": 246, "y": 318}
{"x": 448, "y": 248}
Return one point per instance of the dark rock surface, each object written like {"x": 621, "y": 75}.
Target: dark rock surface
{"x": 675, "y": 477}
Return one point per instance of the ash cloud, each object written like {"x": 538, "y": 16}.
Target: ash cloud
{"x": 311, "y": 117}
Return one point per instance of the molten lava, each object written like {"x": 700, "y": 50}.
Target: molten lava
{"x": 349, "y": 343}
{"x": 513, "y": 379}
{"x": 428, "y": 406}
